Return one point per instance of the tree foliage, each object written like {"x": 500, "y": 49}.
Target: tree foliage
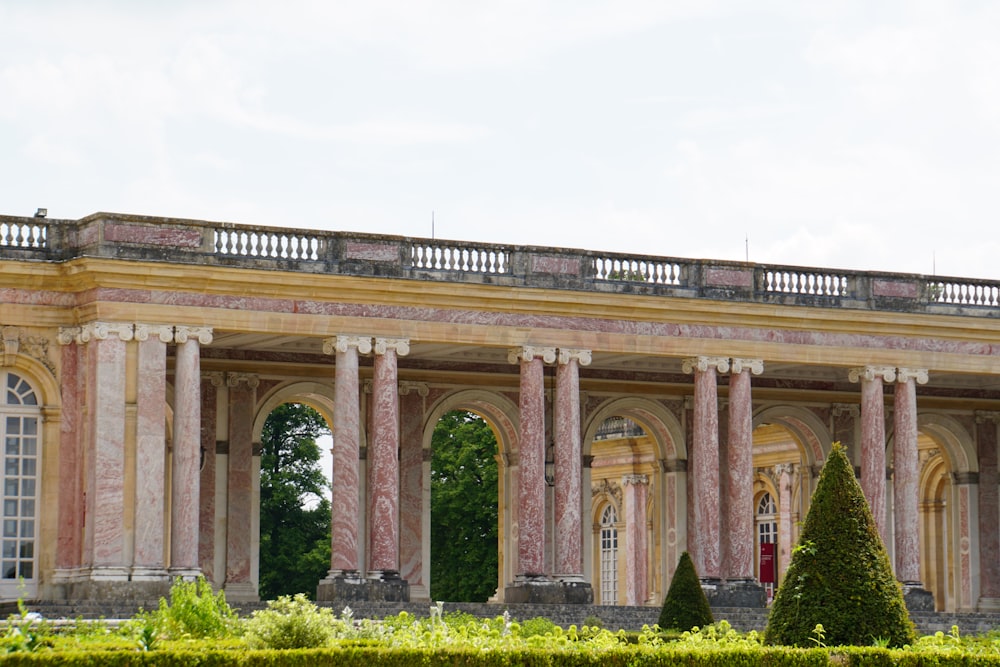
{"x": 294, "y": 511}
{"x": 464, "y": 517}
{"x": 840, "y": 576}
{"x": 685, "y": 605}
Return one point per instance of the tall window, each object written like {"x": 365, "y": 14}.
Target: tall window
{"x": 609, "y": 556}
{"x": 767, "y": 530}
{"x": 20, "y": 479}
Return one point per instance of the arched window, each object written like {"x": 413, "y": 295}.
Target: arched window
{"x": 609, "y": 556}
{"x": 767, "y": 533}
{"x": 21, "y": 438}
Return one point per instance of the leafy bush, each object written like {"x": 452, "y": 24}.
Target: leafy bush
{"x": 685, "y": 605}
{"x": 840, "y": 577}
{"x": 291, "y": 622}
{"x": 194, "y": 611}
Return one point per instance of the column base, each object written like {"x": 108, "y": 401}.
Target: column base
{"x": 110, "y": 583}
{"x": 735, "y": 593}
{"x": 240, "y": 591}
{"x": 351, "y": 587}
{"x": 538, "y": 590}
{"x": 917, "y": 598}
{"x": 184, "y": 573}
{"x": 988, "y": 605}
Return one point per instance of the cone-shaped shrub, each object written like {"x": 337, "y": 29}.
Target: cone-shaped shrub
{"x": 840, "y": 576}
{"x": 685, "y": 606}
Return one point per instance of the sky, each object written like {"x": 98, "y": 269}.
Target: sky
{"x": 841, "y": 134}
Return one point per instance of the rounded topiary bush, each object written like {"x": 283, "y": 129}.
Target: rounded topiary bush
{"x": 685, "y": 605}
{"x": 291, "y": 622}
{"x": 840, "y": 576}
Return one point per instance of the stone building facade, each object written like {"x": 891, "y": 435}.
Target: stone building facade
{"x": 142, "y": 355}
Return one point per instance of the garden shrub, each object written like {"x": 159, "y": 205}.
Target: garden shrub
{"x": 685, "y": 605}
{"x": 291, "y": 622}
{"x": 194, "y": 611}
{"x": 840, "y": 578}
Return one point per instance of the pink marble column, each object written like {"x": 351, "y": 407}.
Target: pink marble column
{"x": 634, "y": 494}
{"x": 873, "y": 438}
{"x": 784, "y": 472}
{"x": 531, "y": 460}
{"x": 905, "y": 481}
{"x": 149, "y": 561}
{"x": 185, "y": 489}
{"x": 568, "y": 466}
{"x": 413, "y": 459}
{"x": 989, "y": 510}
{"x": 346, "y": 449}
{"x": 705, "y": 549}
{"x": 71, "y": 439}
{"x": 383, "y": 455}
{"x": 210, "y": 384}
{"x": 104, "y": 535}
{"x": 239, "y": 510}
{"x": 740, "y": 512}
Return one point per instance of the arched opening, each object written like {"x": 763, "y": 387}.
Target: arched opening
{"x": 294, "y": 507}
{"x": 21, "y": 436}
{"x": 464, "y": 508}
{"x": 607, "y": 582}
{"x": 936, "y": 532}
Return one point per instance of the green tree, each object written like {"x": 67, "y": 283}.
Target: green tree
{"x": 463, "y": 509}
{"x": 840, "y": 576}
{"x": 685, "y": 606}
{"x": 294, "y": 510}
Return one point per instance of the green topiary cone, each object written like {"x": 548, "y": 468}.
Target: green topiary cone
{"x": 840, "y": 576}
{"x": 685, "y": 606}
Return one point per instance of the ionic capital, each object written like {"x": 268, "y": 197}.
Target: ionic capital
{"x": 582, "y": 357}
{"x": 400, "y": 345}
{"x": 406, "y": 387}
{"x": 162, "y": 331}
{"x": 846, "y": 409}
{"x": 919, "y": 375}
{"x": 702, "y": 364}
{"x": 217, "y": 378}
{"x": 202, "y": 334}
{"x": 635, "y": 480}
{"x": 987, "y": 416}
{"x": 68, "y": 335}
{"x": 528, "y": 352}
{"x": 104, "y": 330}
{"x": 869, "y": 373}
{"x": 251, "y": 380}
{"x": 755, "y": 366}
{"x": 344, "y": 343}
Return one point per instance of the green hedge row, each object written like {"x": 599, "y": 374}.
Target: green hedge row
{"x": 625, "y": 656}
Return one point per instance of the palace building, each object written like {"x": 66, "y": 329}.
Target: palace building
{"x": 643, "y": 406}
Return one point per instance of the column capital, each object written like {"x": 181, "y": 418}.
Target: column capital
{"x": 251, "y": 380}
{"x": 400, "y": 345}
{"x": 965, "y": 477}
{"x": 887, "y": 373}
{"x": 755, "y": 366}
{"x": 917, "y": 374}
{"x": 164, "y": 332}
{"x": 68, "y": 335}
{"x": 105, "y": 330}
{"x": 217, "y": 378}
{"x": 528, "y": 352}
{"x": 986, "y": 416}
{"x": 692, "y": 364}
{"x": 341, "y": 343}
{"x": 582, "y": 357}
{"x": 407, "y": 387}
{"x": 848, "y": 409}
{"x": 635, "y": 480}
{"x": 784, "y": 469}
{"x": 202, "y": 334}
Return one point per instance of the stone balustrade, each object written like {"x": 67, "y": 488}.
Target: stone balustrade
{"x": 349, "y": 253}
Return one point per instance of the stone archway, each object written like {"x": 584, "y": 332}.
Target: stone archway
{"x": 501, "y": 413}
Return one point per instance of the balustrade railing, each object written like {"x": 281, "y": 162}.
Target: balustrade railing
{"x": 34, "y": 234}
{"x": 614, "y": 428}
{"x": 786, "y": 280}
{"x": 657, "y": 271}
{"x": 269, "y": 243}
{"x": 450, "y": 256}
{"x": 964, "y": 293}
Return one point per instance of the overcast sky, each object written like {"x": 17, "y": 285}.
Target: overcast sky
{"x": 846, "y": 134}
